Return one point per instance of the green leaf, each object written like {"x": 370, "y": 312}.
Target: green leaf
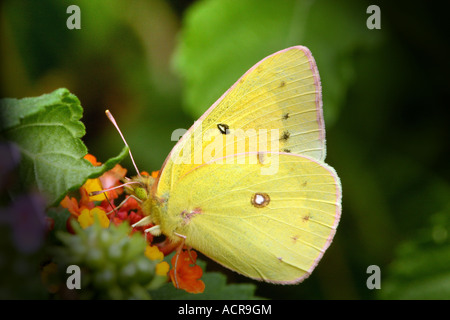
{"x": 47, "y": 131}
{"x": 222, "y": 39}
{"x": 216, "y": 288}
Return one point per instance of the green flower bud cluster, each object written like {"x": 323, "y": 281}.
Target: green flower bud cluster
{"x": 113, "y": 264}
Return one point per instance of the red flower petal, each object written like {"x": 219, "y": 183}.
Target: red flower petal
{"x": 186, "y": 274}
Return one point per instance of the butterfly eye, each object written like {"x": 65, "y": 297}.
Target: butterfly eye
{"x": 260, "y": 200}
{"x": 223, "y": 128}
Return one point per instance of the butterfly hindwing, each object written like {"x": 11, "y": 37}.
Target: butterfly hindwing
{"x": 268, "y": 227}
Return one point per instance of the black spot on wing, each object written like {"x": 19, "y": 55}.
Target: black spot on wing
{"x": 223, "y": 128}
{"x": 285, "y": 136}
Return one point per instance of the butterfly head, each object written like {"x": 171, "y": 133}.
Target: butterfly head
{"x": 140, "y": 187}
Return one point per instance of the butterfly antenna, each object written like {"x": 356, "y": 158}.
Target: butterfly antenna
{"x": 94, "y": 193}
{"x": 113, "y": 121}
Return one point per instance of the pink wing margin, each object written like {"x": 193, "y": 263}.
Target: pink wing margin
{"x": 337, "y": 218}
{"x": 317, "y": 84}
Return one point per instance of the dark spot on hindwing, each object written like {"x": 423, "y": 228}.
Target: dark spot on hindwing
{"x": 223, "y": 128}
{"x": 282, "y": 84}
{"x": 260, "y": 200}
{"x": 286, "y": 116}
{"x": 287, "y": 150}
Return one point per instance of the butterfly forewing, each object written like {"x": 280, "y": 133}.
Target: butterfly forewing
{"x": 275, "y": 106}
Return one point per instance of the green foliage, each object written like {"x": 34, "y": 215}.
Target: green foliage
{"x": 222, "y": 39}
{"x": 420, "y": 269}
{"x": 48, "y": 132}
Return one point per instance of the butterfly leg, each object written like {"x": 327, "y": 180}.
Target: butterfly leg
{"x": 190, "y": 256}
{"x": 185, "y": 273}
{"x": 122, "y": 203}
{"x": 178, "y": 253}
{"x": 155, "y": 230}
{"x": 179, "y": 250}
{"x": 182, "y": 245}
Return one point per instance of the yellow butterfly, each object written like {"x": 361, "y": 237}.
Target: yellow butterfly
{"x": 246, "y": 185}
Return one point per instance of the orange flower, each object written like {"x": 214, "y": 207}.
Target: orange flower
{"x": 112, "y": 178}
{"x": 155, "y": 174}
{"x": 153, "y": 253}
{"x": 92, "y": 185}
{"x": 86, "y": 218}
{"x": 74, "y": 206}
{"x": 92, "y": 159}
{"x": 109, "y": 179}
{"x": 185, "y": 274}
{"x": 132, "y": 204}
{"x": 71, "y": 204}
{"x": 162, "y": 268}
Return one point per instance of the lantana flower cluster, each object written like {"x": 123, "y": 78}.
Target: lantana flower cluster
{"x": 185, "y": 274}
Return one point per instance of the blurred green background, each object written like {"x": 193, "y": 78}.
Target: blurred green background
{"x": 158, "y": 65}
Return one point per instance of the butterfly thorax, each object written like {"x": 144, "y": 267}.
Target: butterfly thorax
{"x": 157, "y": 207}
{"x": 154, "y": 207}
